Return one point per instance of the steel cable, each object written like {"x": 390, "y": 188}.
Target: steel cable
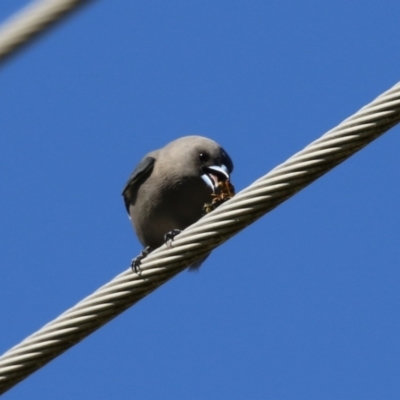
{"x": 34, "y": 19}
{"x": 215, "y": 228}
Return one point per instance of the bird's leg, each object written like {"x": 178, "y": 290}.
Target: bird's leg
{"x": 169, "y": 236}
{"x": 135, "y": 264}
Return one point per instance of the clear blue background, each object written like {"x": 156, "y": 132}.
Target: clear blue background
{"x": 304, "y": 304}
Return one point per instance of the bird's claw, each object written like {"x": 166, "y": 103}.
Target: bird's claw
{"x": 169, "y": 236}
{"x": 136, "y": 262}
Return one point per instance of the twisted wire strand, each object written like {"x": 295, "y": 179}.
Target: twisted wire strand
{"x": 215, "y": 228}
{"x": 34, "y": 19}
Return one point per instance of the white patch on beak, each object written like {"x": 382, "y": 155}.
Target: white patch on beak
{"x": 212, "y": 179}
{"x": 208, "y": 181}
{"x": 221, "y": 169}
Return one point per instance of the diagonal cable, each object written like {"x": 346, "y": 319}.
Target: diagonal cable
{"x": 164, "y": 263}
{"x": 34, "y": 19}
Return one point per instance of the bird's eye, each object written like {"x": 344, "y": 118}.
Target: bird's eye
{"x": 204, "y": 157}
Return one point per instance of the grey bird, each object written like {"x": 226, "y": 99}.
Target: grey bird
{"x": 168, "y": 189}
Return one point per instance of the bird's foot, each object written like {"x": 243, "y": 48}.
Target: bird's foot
{"x": 169, "y": 236}
{"x": 135, "y": 264}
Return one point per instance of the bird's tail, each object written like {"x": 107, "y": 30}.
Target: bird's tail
{"x": 196, "y": 265}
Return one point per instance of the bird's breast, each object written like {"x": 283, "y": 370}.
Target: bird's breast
{"x": 161, "y": 208}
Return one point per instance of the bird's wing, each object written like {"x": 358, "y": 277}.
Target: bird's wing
{"x": 140, "y": 173}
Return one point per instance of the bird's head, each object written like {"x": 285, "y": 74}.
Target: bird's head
{"x": 197, "y": 156}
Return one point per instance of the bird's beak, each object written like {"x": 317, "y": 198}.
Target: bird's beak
{"x": 215, "y": 174}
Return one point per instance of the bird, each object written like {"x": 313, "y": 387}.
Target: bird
{"x": 168, "y": 189}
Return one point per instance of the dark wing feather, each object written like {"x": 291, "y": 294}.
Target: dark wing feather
{"x": 140, "y": 173}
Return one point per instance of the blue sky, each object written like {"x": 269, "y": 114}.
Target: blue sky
{"x": 304, "y": 304}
